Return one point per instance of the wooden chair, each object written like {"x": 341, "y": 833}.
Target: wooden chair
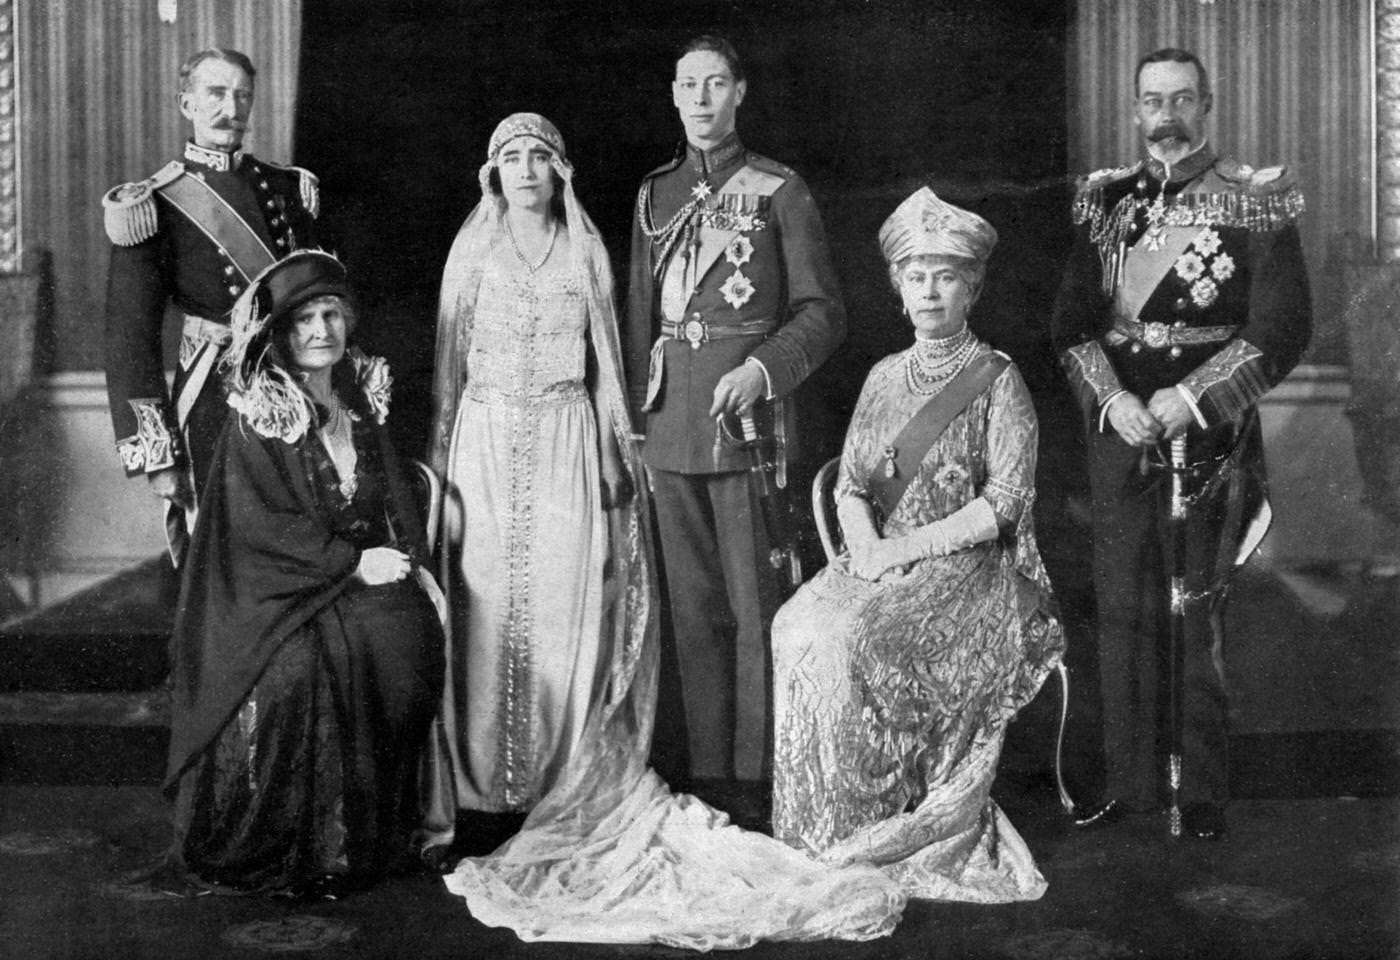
{"x": 824, "y": 509}
{"x": 829, "y": 530}
{"x": 427, "y": 491}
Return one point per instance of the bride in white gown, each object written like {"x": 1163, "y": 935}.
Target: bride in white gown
{"x": 608, "y": 854}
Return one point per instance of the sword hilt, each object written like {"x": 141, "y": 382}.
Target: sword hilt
{"x": 748, "y": 427}
{"x": 1178, "y": 455}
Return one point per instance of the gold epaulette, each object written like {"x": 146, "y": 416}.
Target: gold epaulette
{"x": 129, "y": 209}
{"x": 309, "y": 184}
{"x": 1260, "y": 212}
{"x": 310, "y": 192}
{"x": 1259, "y": 183}
{"x": 1088, "y": 189}
{"x": 1270, "y": 194}
{"x": 1101, "y": 178}
{"x": 1259, "y": 200}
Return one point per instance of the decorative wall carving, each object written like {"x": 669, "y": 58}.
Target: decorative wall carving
{"x": 1388, "y": 129}
{"x": 10, "y": 233}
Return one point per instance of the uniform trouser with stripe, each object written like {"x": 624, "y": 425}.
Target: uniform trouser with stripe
{"x": 723, "y": 597}
{"x": 1132, "y": 561}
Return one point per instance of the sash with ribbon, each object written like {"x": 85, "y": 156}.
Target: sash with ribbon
{"x": 250, "y": 251}
{"x": 1146, "y": 267}
{"x": 885, "y": 485}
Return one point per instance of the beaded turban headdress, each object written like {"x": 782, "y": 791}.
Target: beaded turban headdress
{"x": 926, "y": 225}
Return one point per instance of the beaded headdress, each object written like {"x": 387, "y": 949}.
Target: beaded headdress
{"x": 524, "y": 125}
{"x": 926, "y": 225}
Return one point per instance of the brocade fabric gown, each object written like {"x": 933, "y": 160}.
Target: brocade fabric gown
{"x": 892, "y": 697}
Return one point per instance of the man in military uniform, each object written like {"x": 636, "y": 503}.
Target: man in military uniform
{"x": 733, "y": 302}
{"x": 193, "y": 235}
{"x": 1184, "y": 302}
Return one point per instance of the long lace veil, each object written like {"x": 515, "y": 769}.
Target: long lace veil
{"x": 617, "y": 736}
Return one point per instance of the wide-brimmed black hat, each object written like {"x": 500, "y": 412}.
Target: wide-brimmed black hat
{"x": 298, "y": 277}
{"x": 278, "y": 290}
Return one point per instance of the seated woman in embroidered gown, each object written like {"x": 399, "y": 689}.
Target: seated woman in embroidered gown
{"x": 307, "y": 650}
{"x": 551, "y": 689}
{"x": 897, "y": 668}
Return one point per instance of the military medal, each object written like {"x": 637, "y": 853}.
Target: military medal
{"x": 701, "y": 191}
{"x": 737, "y": 290}
{"x": 1157, "y": 222}
{"x": 739, "y": 251}
{"x": 890, "y": 470}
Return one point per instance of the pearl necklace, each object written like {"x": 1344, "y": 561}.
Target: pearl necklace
{"x": 520, "y": 254}
{"x": 930, "y": 364}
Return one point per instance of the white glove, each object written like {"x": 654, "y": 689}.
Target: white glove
{"x": 857, "y": 518}
{"x": 974, "y": 523}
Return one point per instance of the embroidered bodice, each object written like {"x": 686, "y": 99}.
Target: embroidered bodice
{"x": 528, "y": 336}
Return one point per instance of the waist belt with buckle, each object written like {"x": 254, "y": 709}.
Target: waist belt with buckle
{"x": 1162, "y": 336}
{"x": 696, "y": 331}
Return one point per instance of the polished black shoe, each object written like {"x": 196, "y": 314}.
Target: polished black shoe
{"x": 1101, "y": 813}
{"x": 1203, "y": 821}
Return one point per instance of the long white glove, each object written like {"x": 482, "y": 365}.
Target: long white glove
{"x": 974, "y": 523}
{"x": 857, "y": 518}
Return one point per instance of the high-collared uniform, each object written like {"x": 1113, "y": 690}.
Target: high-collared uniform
{"x": 729, "y": 266}
{"x": 1192, "y": 279}
{"x": 189, "y": 237}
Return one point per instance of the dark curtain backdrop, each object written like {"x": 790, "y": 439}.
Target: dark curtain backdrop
{"x": 866, "y": 98}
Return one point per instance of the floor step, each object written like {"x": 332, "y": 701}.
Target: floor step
{"x": 84, "y": 738}
{"x": 111, "y": 637}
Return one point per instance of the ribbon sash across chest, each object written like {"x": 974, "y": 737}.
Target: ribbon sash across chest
{"x": 918, "y": 435}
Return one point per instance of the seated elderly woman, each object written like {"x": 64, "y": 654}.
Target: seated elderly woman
{"x": 898, "y": 667}
{"x": 307, "y": 651}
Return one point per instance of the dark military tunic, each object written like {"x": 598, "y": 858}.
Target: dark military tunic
{"x": 729, "y": 265}
{"x": 1190, "y": 279}
{"x": 160, "y": 256}
{"x": 774, "y": 278}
